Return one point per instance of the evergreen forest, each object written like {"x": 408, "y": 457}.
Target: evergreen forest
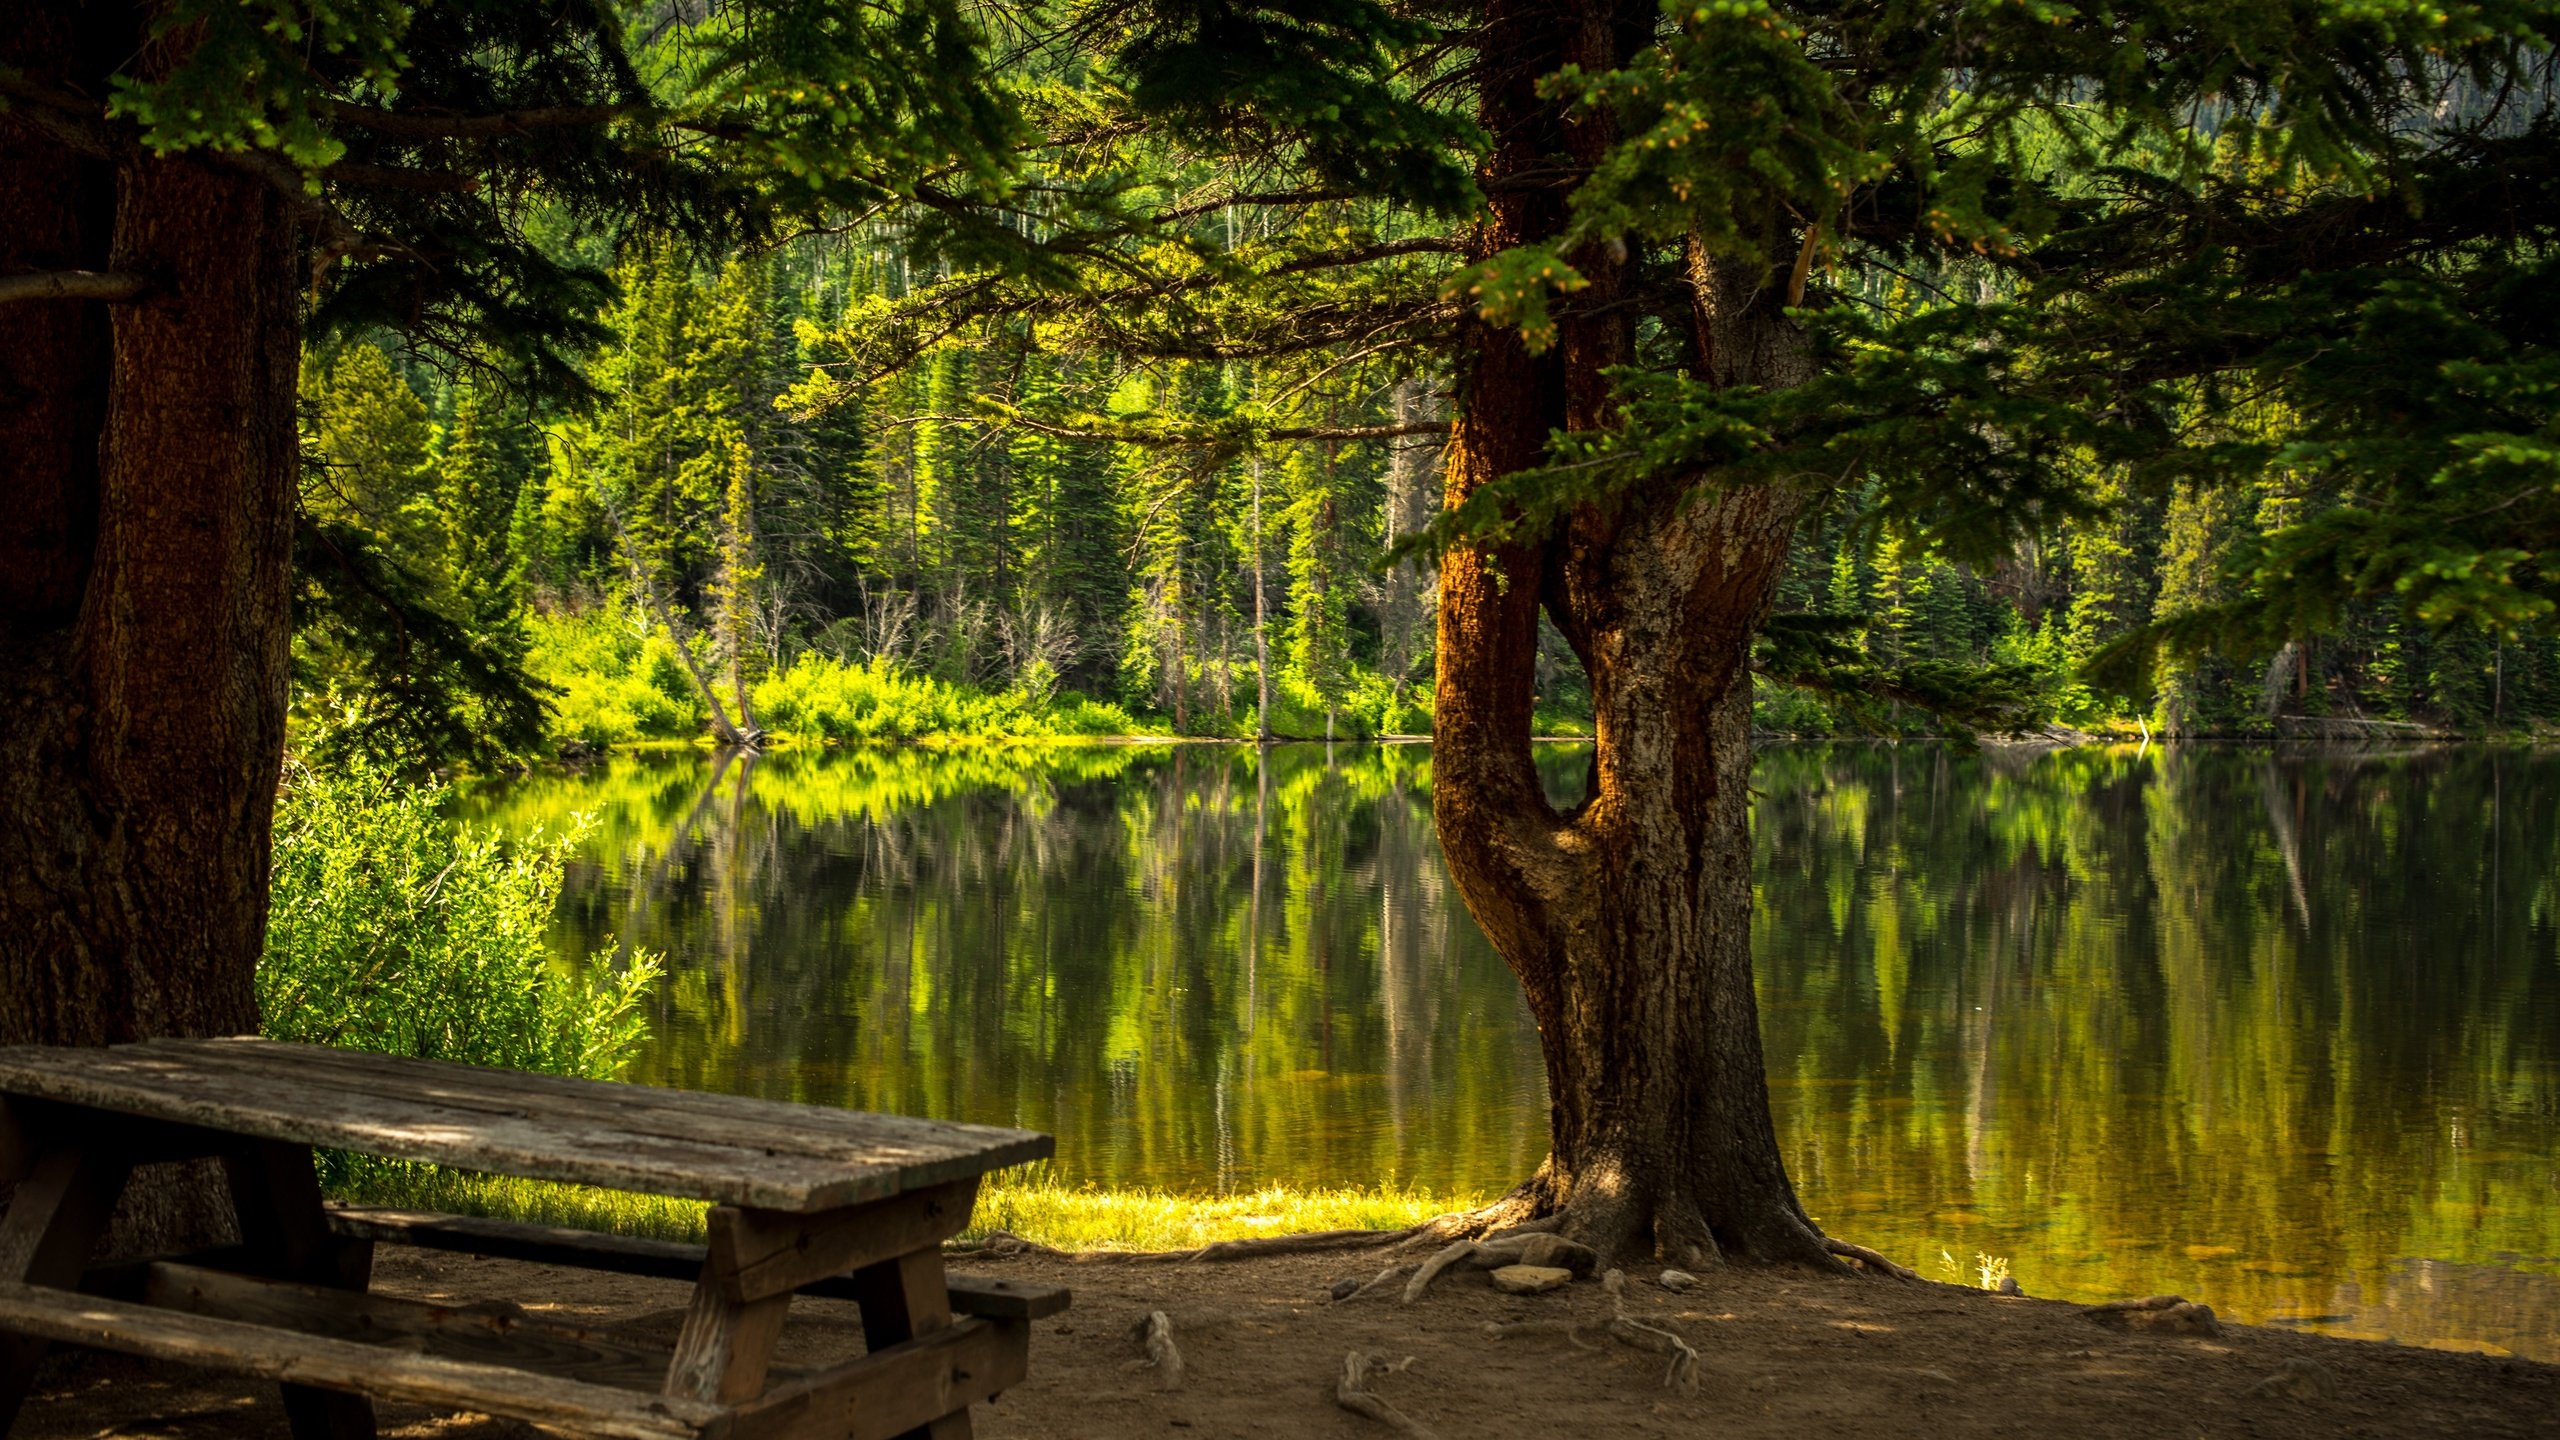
{"x": 818, "y": 485}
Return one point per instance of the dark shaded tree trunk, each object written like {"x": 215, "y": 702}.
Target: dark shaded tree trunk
{"x": 149, "y": 454}
{"x": 1626, "y": 919}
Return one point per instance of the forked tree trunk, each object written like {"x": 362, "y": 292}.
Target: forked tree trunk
{"x": 148, "y": 454}
{"x": 1626, "y": 919}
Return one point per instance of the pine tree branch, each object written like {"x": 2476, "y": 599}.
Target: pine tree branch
{"x": 400, "y": 177}
{"x": 1156, "y": 439}
{"x": 109, "y": 286}
{"x": 410, "y": 125}
{"x": 1251, "y": 197}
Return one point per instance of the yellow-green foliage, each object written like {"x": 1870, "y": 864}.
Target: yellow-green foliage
{"x": 831, "y": 700}
{"x": 1086, "y": 1218}
{"x": 1026, "y": 1203}
{"x": 391, "y": 929}
{"x": 615, "y": 681}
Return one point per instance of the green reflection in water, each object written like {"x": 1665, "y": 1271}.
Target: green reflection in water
{"x": 2278, "y": 1033}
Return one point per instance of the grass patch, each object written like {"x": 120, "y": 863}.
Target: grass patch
{"x": 1083, "y": 1217}
{"x": 1029, "y": 1203}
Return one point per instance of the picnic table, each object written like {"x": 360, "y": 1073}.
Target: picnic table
{"x": 804, "y": 1200}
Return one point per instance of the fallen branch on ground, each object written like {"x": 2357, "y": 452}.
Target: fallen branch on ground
{"x": 1683, "y": 1374}
{"x": 1156, "y": 1332}
{"x": 1382, "y": 1277}
{"x": 1875, "y": 1264}
{"x": 1352, "y": 1393}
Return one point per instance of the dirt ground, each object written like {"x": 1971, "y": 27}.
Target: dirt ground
{"x": 1783, "y": 1354}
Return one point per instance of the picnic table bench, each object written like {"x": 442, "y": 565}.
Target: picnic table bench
{"x": 805, "y": 1200}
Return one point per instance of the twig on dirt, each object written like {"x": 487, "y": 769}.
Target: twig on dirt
{"x": 1570, "y": 1330}
{"x": 1376, "y": 1282}
{"x": 1352, "y": 1393}
{"x": 1289, "y": 1244}
{"x": 1156, "y": 1333}
{"x": 1683, "y": 1374}
{"x": 1875, "y": 1264}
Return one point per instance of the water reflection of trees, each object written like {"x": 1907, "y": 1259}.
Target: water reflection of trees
{"x": 2255, "y": 1028}
{"x": 1195, "y": 967}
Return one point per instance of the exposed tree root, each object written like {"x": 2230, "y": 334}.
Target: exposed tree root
{"x": 1516, "y": 1248}
{"x": 1309, "y": 1243}
{"x": 2159, "y": 1314}
{"x": 1156, "y": 1333}
{"x": 1352, "y": 1393}
{"x": 1875, "y": 1264}
{"x": 1378, "y": 1282}
{"x": 1570, "y": 1330}
{"x": 1683, "y": 1374}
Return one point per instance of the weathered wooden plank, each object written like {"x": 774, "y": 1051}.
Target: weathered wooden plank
{"x": 495, "y": 1334}
{"x": 905, "y": 1299}
{"x": 54, "y": 1222}
{"x": 746, "y": 1122}
{"x": 750, "y": 1136}
{"x": 890, "y": 1392}
{"x": 275, "y": 1198}
{"x": 244, "y": 1348}
{"x": 726, "y": 1346}
{"x": 664, "y": 1259}
{"x": 759, "y": 1253}
{"x": 540, "y": 1127}
{"x": 17, "y": 1143}
{"x": 469, "y": 1139}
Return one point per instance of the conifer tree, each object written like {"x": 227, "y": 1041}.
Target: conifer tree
{"x": 192, "y": 188}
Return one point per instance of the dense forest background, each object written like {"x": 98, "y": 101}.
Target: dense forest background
{"x": 999, "y": 538}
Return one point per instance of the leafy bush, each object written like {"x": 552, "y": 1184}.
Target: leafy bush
{"x": 394, "y": 930}
{"x": 832, "y": 700}
{"x": 615, "y": 683}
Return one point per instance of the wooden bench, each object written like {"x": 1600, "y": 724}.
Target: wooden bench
{"x": 805, "y": 1200}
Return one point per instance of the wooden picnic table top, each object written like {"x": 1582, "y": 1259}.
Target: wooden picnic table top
{"x": 727, "y": 1149}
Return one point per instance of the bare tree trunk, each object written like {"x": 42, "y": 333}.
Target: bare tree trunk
{"x": 738, "y": 574}
{"x": 148, "y": 454}
{"x": 721, "y": 729}
{"x": 1626, "y": 919}
{"x": 1406, "y": 596}
{"x": 1261, "y": 619}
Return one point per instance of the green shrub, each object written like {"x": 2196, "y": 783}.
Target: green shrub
{"x": 831, "y": 700}
{"x": 615, "y": 683}
{"x": 395, "y": 930}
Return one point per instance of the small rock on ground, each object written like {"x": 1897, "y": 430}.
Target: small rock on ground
{"x": 1676, "y": 1281}
{"x": 1530, "y": 1279}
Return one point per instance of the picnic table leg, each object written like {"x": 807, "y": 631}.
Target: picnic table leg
{"x": 52, "y": 1228}
{"x": 726, "y": 1346}
{"x": 902, "y": 1299}
{"x": 275, "y": 1191}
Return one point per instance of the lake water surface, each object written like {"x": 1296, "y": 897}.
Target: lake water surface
{"x": 2280, "y": 1033}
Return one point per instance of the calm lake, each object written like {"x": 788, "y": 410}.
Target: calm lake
{"x": 2276, "y": 1032}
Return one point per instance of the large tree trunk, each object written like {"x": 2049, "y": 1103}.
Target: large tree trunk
{"x": 149, "y": 454}
{"x": 1627, "y": 919}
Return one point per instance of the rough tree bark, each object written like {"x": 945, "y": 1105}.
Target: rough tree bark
{"x": 1627, "y": 918}
{"x": 149, "y": 454}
